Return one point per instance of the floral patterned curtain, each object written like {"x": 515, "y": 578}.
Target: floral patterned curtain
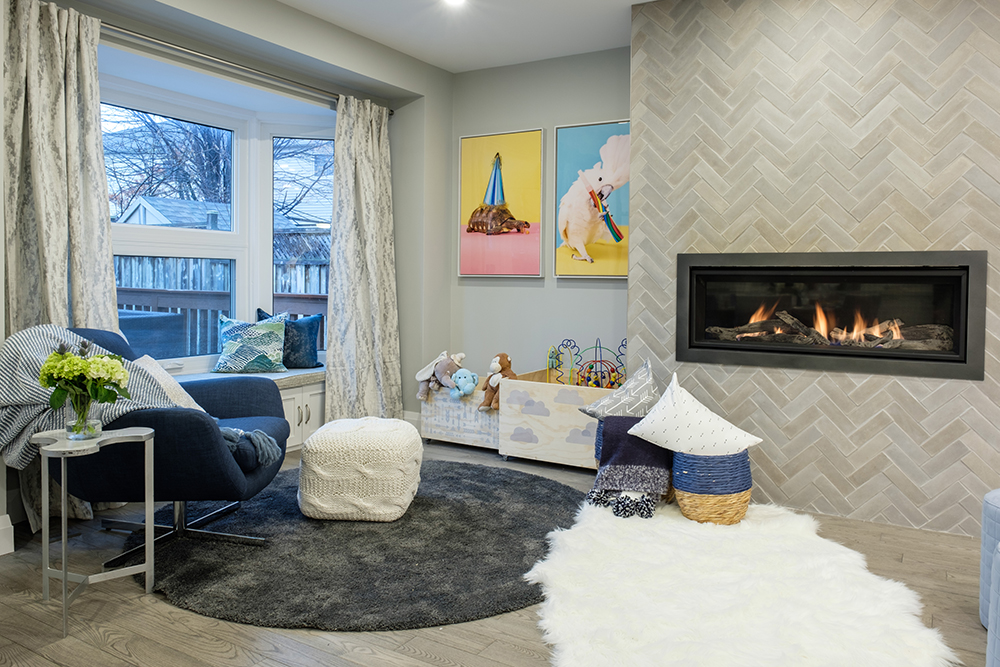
{"x": 57, "y": 225}
{"x": 363, "y": 376}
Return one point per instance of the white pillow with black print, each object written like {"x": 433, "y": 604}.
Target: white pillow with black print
{"x": 679, "y": 422}
{"x": 175, "y": 392}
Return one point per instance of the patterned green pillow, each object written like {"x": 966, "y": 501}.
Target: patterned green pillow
{"x": 251, "y": 347}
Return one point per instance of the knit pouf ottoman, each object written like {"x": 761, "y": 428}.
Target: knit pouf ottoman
{"x": 363, "y": 469}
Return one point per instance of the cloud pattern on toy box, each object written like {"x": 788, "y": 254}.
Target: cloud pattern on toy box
{"x": 568, "y": 397}
{"x": 522, "y": 434}
{"x": 536, "y": 408}
{"x": 635, "y": 398}
{"x": 679, "y": 422}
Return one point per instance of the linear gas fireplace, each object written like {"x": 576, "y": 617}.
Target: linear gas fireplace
{"x": 894, "y": 313}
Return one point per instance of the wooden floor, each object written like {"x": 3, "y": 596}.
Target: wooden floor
{"x": 113, "y": 623}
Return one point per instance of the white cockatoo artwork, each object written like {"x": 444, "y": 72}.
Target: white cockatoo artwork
{"x": 583, "y": 217}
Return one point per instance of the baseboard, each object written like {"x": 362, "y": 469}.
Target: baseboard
{"x": 6, "y": 535}
{"x": 412, "y": 417}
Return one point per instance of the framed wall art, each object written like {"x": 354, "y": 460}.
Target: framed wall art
{"x": 501, "y": 205}
{"x": 592, "y": 172}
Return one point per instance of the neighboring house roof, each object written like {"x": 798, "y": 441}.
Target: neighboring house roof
{"x": 167, "y": 212}
{"x": 293, "y": 243}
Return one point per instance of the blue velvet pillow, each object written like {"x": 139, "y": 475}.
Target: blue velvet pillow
{"x": 301, "y": 336}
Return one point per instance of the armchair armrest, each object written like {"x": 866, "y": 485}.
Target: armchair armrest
{"x": 237, "y": 396}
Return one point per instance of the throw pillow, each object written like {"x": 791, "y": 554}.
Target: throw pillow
{"x": 680, "y": 423}
{"x": 301, "y": 349}
{"x": 175, "y": 392}
{"x": 633, "y": 399}
{"x": 249, "y": 347}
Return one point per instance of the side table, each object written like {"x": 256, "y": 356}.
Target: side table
{"x": 55, "y": 444}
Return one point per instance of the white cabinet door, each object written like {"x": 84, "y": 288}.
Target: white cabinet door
{"x": 314, "y": 406}
{"x": 304, "y": 409}
{"x": 294, "y": 414}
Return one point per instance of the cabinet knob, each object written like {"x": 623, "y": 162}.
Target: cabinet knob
{"x": 308, "y": 413}
{"x": 300, "y": 416}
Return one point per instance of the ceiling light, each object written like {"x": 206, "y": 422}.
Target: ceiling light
{"x": 455, "y": 3}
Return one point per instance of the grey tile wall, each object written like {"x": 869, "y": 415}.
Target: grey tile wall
{"x": 817, "y": 125}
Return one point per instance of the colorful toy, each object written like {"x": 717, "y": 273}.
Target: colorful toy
{"x": 595, "y": 366}
{"x": 465, "y": 383}
{"x": 499, "y": 368}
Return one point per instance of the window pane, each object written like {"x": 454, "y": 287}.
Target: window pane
{"x": 303, "y": 209}
{"x": 170, "y": 306}
{"x": 167, "y": 172}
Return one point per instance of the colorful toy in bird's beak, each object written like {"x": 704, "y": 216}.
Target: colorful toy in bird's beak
{"x": 602, "y": 211}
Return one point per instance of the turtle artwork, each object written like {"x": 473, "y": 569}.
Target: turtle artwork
{"x": 493, "y": 216}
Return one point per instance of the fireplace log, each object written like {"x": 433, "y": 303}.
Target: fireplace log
{"x": 928, "y": 332}
{"x": 731, "y": 333}
{"x": 795, "y": 338}
{"x": 814, "y": 336}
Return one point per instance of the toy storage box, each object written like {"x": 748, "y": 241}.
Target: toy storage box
{"x": 537, "y": 420}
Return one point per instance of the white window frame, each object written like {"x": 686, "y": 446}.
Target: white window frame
{"x": 249, "y": 244}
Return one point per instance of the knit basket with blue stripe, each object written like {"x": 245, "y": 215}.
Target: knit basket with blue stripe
{"x": 713, "y": 489}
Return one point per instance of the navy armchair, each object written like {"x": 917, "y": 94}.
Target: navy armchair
{"x": 192, "y": 461}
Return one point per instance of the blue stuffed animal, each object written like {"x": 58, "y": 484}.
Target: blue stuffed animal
{"x": 465, "y": 383}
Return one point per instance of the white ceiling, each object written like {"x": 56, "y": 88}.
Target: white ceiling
{"x": 481, "y": 33}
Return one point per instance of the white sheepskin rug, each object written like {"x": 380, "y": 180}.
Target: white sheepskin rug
{"x": 766, "y": 592}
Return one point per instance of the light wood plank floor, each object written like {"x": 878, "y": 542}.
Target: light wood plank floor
{"x": 114, "y": 624}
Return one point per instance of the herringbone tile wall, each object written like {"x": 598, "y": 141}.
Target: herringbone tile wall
{"x": 824, "y": 125}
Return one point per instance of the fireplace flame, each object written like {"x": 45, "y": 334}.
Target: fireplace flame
{"x": 762, "y": 314}
{"x": 860, "y": 327}
{"x": 896, "y": 333}
{"x": 821, "y": 323}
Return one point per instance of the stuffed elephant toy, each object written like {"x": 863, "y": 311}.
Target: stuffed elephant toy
{"x": 465, "y": 383}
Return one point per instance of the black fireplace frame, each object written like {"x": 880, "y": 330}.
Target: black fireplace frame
{"x": 969, "y": 365}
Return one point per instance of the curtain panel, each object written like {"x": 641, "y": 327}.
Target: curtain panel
{"x": 363, "y": 376}
{"x": 57, "y": 223}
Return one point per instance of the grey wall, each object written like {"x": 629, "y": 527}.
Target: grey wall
{"x": 780, "y": 126}
{"x": 524, "y": 316}
{"x": 432, "y": 109}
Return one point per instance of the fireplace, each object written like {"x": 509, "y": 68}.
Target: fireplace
{"x": 895, "y": 313}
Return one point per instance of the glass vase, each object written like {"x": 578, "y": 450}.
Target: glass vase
{"x": 80, "y": 426}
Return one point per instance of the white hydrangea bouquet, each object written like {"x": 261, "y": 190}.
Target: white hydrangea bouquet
{"x": 84, "y": 380}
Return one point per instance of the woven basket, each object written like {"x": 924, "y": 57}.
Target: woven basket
{"x": 713, "y": 489}
{"x": 724, "y": 510}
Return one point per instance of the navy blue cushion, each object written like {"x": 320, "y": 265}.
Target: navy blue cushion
{"x": 301, "y": 348}
{"x": 109, "y": 340}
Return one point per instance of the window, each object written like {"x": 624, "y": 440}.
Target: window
{"x": 192, "y": 226}
{"x": 170, "y": 306}
{"x": 165, "y": 171}
{"x": 303, "y": 207}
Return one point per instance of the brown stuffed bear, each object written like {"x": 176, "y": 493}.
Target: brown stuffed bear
{"x": 438, "y": 373}
{"x": 499, "y": 368}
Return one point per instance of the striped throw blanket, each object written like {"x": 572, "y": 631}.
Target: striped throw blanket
{"x": 24, "y": 403}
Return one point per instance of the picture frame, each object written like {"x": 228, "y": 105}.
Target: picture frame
{"x": 500, "y": 210}
{"x": 591, "y": 186}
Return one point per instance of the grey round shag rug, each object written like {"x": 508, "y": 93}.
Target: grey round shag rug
{"x": 458, "y": 554}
